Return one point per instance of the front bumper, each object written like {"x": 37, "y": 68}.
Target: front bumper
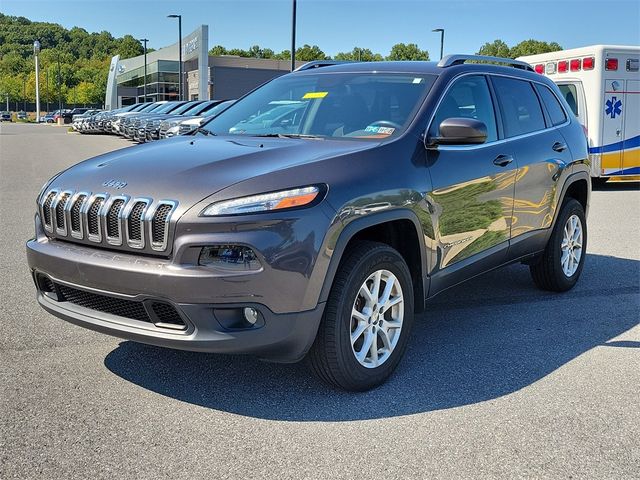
{"x": 204, "y": 298}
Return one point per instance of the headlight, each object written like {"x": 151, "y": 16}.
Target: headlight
{"x": 296, "y": 197}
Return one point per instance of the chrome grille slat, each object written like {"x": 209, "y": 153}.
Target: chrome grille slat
{"x": 139, "y": 223}
{"x": 57, "y": 212}
{"x": 74, "y": 209}
{"x": 159, "y": 224}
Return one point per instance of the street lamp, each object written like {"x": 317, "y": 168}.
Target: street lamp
{"x": 179, "y": 17}
{"x": 36, "y": 51}
{"x": 293, "y": 36}
{"x": 441, "y": 30}
{"x": 145, "y": 67}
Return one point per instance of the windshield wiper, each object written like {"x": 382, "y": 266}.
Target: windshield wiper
{"x": 204, "y": 131}
{"x": 287, "y": 135}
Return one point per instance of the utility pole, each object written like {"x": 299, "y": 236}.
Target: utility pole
{"x": 179, "y": 17}
{"x": 36, "y": 51}
{"x": 24, "y": 94}
{"x": 441, "y": 30}
{"x": 293, "y": 36}
{"x": 144, "y": 40}
{"x": 59, "y": 86}
{"x": 46, "y": 86}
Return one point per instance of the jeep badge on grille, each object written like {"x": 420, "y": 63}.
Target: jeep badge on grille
{"x": 116, "y": 184}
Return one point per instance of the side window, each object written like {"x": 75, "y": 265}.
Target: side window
{"x": 521, "y": 110}
{"x": 469, "y": 97}
{"x": 556, "y": 112}
{"x": 570, "y": 94}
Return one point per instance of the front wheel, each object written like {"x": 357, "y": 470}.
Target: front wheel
{"x": 367, "y": 320}
{"x": 561, "y": 263}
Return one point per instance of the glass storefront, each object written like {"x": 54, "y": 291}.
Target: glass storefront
{"x": 162, "y": 83}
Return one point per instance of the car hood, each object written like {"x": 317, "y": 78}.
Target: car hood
{"x": 190, "y": 168}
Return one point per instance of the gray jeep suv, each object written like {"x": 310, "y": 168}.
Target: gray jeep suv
{"x": 321, "y": 233}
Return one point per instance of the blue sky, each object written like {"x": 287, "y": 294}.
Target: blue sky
{"x": 340, "y": 25}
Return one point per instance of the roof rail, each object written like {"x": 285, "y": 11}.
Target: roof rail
{"x": 319, "y": 64}
{"x": 450, "y": 60}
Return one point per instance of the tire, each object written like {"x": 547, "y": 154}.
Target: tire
{"x": 333, "y": 356}
{"x": 550, "y": 272}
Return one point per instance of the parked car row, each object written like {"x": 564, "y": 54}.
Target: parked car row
{"x": 144, "y": 122}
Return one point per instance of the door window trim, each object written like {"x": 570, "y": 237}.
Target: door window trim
{"x": 501, "y": 138}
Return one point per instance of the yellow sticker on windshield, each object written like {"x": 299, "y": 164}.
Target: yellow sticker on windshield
{"x": 315, "y": 95}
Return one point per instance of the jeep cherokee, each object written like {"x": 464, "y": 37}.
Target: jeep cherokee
{"x": 320, "y": 232}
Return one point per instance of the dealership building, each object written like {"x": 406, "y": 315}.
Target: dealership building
{"x": 204, "y": 77}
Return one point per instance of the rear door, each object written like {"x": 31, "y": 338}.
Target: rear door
{"x": 612, "y": 126}
{"x": 631, "y": 145}
{"x": 540, "y": 150}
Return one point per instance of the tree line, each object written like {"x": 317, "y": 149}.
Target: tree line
{"x": 74, "y": 63}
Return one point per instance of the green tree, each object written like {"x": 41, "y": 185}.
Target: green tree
{"x": 401, "y": 51}
{"x": 497, "y": 48}
{"x": 218, "y": 50}
{"x": 308, "y": 53}
{"x": 359, "y": 55}
{"x": 129, "y": 47}
{"x": 533, "y": 47}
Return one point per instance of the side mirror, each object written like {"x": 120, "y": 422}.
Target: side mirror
{"x": 459, "y": 131}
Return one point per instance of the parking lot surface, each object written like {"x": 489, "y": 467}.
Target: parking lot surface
{"x": 499, "y": 380}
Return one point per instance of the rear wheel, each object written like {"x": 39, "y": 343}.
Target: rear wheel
{"x": 367, "y": 320}
{"x": 561, "y": 263}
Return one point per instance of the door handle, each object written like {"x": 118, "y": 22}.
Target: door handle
{"x": 503, "y": 160}
{"x": 559, "y": 146}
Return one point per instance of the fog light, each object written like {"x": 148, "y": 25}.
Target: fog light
{"x": 250, "y": 315}
{"x": 229, "y": 257}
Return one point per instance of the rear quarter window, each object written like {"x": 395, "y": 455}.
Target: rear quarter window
{"x": 555, "y": 110}
{"x": 521, "y": 110}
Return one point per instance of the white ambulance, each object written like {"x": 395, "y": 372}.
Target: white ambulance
{"x": 601, "y": 84}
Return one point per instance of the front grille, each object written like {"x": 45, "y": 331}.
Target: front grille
{"x": 135, "y": 222}
{"x": 76, "y": 225}
{"x": 46, "y": 208}
{"x": 104, "y": 219}
{"x": 60, "y": 210}
{"x": 159, "y": 223}
{"x": 164, "y": 313}
{"x": 94, "y": 221}
{"x": 113, "y": 218}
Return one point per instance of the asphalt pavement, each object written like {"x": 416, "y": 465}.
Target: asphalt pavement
{"x": 499, "y": 380}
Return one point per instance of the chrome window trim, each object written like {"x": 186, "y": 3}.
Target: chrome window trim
{"x": 85, "y": 214}
{"x": 499, "y": 141}
{"x": 76, "y": 234}
{"x": 63, "y": 231}
{"x": 161, "y": 246}
{"x": 105, "y": 219}
{"x": 126, "y": 213}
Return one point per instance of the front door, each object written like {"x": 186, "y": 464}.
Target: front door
{"x": 472, "y": 196}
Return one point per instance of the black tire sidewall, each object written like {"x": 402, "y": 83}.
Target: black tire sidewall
{"x": 571, "y": 207}
{"x": 380, "y": 258}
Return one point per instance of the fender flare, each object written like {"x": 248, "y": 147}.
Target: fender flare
{"x": 571, "y": 179}
{"x": 359, "y": 224}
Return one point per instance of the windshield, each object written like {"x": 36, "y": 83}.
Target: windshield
{"x": 195, "y": 109}
{"x": 221, "y": 107}
{"x": 329, "y": 105}
{"x": 186, "y": 108}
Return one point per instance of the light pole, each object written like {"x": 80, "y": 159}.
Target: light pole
{"x": 179, "y": 17}
{"x": 293, "y": 36}
{"x": 59, "y": 86}
{"x": 441, "y": 30}
{"x": 36, "y": 51}
{"x": 144, "y": 40}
